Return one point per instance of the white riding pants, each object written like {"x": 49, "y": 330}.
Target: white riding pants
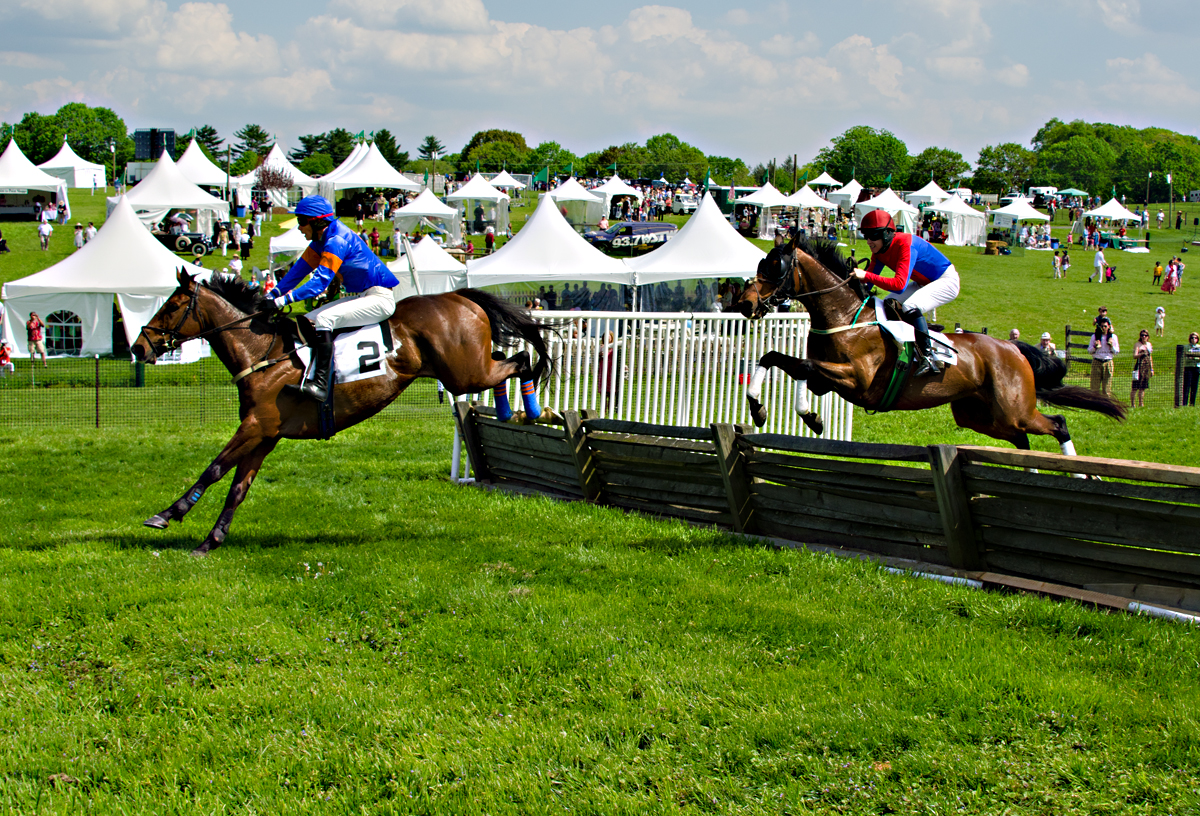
{"x": 372, "y": 306}
{"x": 934, "y": 294}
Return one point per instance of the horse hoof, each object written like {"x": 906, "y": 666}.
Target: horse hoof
{"x": 759, "y": 415}
{"x": 814, "y": 423}
{"x": 203, "y": 549}
{"x": 157, "y": 521}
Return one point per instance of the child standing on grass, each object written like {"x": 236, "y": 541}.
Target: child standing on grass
{"x": 1160, "y": 321}
{"x": 1158, "y": 270}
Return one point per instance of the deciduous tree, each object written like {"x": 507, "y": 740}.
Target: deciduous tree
{"x": 871, "y": 156}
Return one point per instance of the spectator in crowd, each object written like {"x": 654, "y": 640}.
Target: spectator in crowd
{"x": 1101, "y": 314}
{"x": 1160, "y": 321}
{"x": 1103, "y": 346}
{"x": 1161, "y": 216}
{"x": 1046, "y": 344}
{"x": 235, "y": 266}
{"x": 1014, "y": 335}
{"x": 1099, "y": 265}
{"x": 34, "y": 336}
{"x": 1057, "y": 265}
{"x": 374, "y": 236}
{"x": 1066, "y": 262}
{"x": 489, "y": 239}
{"x": 235, "y": 233}
{"x": 1158, "y": 273}
{"x": 223, "y": 239}
{"x": 1172, "y": 280}
{"x": 1191, "y": 369}
{"x": 245, "y": 245}
{"x": 44, "y": 231}
{"x": 3, "y": 243}
{"x": 1179, "y": 220}
{"x": 90, "y": 232}
{"x": 6, "y": 363}
{"x": 1143, "y": 369}
{"x": 78, "y": 236}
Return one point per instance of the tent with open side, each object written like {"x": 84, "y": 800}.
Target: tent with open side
{"x": 424, "y": 268}
{"x": 1019, "y": 210}
{"x": 371, "y": 170}
{"x": 707, "y": 246}
{"x": 304, "y": 184}
{"x": 846, "y": 197}
{"x": 199, "y": 169}
{"x": 426, "y": 208}
{"x": 824, "y": 180}
{"x": 164, "y": 189}
{"x": 579, "y": 206}
{"x": 806, "y": 199}
{"x": 75, "y": 171}
{"x": 905, "y": 215}
{"x": 504, "y": 181}
{"x": 478, "y": 190}
{"x": 123, "y": 260}
{"x": 769, "y": 200}
{"x": 931, "y": 193}
{"x": 965, "y": 225}
{"x": 546, "y": 249}
{"x": 613, "y": 188}
{"x": 1113, "y": 210}
{"x": 19, "y": 179}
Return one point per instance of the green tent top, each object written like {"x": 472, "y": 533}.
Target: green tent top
{"x": 1071, "y": 191}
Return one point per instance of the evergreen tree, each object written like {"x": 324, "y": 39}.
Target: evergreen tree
{"x": 431, "y": 149}
{"x": 252, "y": 139}
{"x": 390, "y": 150}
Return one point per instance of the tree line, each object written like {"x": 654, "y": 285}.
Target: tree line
{"x": 1097, "y": 157}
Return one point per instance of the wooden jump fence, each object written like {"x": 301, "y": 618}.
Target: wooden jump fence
{"x": 976, "y": 510}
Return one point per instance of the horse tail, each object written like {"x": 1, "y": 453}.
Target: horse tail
{"x": 1049, "y": 370}
{"x": 511, "y": 326}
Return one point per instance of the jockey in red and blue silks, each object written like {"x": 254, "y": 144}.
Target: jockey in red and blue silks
{"x": 334, "y": 249}
{"x": 924, "y": 278}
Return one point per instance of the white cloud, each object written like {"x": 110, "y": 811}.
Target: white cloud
{"x": 1147, "y": 81}
{"x": 424, "y": 15}
{"x": 93, "y": 16}
{"x": 880, "y": 69}
{"x": 1119, "y": 15}
{"x": 1015, "y": 76}
{"x": 221, "y": 51}
{"x": 21, "y": 59}
{"x": 957, "y": 69}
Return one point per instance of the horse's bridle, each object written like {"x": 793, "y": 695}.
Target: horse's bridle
{"x": 790, "y": 274}
{"x": 174, "y": 337}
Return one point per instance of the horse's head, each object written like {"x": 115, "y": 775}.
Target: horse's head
{"x": 770, "y": 283}
{"x": 178, "y": 320}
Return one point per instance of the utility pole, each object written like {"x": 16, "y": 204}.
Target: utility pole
{"x": 228, "y": 193}
{"x": 1171, "y": 201}
{"x": 795, "y": 171}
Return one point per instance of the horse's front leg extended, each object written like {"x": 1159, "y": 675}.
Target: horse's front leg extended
{"x": 247, "y": 469}
{"x": 796, "y": 368}
{"x": 243, "y": 441}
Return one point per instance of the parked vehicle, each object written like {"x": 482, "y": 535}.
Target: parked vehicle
{"x": 196, "y": 243}
{"x": 627, "y": 237}
{"x": 684, "y": 204}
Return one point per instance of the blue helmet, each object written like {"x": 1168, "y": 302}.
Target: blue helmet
{"x": 314, "y": 206}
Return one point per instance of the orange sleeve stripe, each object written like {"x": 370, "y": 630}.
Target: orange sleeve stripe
{"x": 311, "y": 258}
{"x": 331, "y": 262}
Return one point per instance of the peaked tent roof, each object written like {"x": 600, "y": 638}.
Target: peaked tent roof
{"x": 1021, "y": 211}
{"x": 291, "y": 241}
{"x": 165, "y": 187}
{"x": 479, "y": 188}
{"x": 123, "y": 258}
{"x": 426, "y": 205}
{"x": 707, "y": 246}
{"x": 616, "y": 186}
{"x": 953, "y": 205}
{"x": 572, "y": 190}
{"x": 18, "y": 172}
{"x": 824, "y": 180}
{"x": 199, "y": 169}
{"x": 930, "y": 192}
{"x": 347, "y": 163}
{"x": 67, "y": 160}
{"x": 504, "y": 179}
{"x": 806, "y": 198}
{"x": 849, "y": 192}
{"x": 887, "y": 201}
{"x": 765, "y": 196}
{"x": 546, "y": 249}
{"x": 371, "y": 170}
{"x": 436, "y": 270}
{"x": 1115, "y": 210}
{"x": 276, "y": 159}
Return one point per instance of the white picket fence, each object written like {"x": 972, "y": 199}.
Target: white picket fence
{"x": 673, "y": 369}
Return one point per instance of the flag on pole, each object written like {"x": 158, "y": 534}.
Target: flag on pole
{"x": 888, "y": 180}
{"x": 612, "y": 167}
{"x": 542, "y": 175}
{"x": 570, "y": 169}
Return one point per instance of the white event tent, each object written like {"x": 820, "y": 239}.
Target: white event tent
{"x": 284, "y": 249}
{"x": 276, "y": 160}
{"x": 505, "y": 181}
{"x": 824, "y": 180}
{"x": 546, "y": 249}
{"x": 579, "y": 205}
{"x": 707, "y": 246}
{"x": 1114, "y": 211}
{"x": 1019, "y": 210}
{"x": 370, "y": 170}
{"x": 124, "y": 260}
{"x": 845, "y": 197}
{"x": 426, "y": 207}
{"x": 805, "y": 198}
{"x": 347, "y": 163}
{"x": 425, "y": 268}
{"x": 479, "y": 191}
{"x": 767, "y": 198}
{"x": 904, "y": 215}
{"x": 164, "y": 189}
{"x": 19, "y": 175}
{"x": 965, "y": 225}
{"x": 199, "y": 169}
{"x": 75, "y": 171}
{"x": 931, "y": 193}
{"x": 614, "y": 187}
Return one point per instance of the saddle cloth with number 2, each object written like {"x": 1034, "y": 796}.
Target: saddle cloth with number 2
{"x": 358, "y": 354}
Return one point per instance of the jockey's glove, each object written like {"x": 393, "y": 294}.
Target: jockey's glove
{"x": 279, "y": 302}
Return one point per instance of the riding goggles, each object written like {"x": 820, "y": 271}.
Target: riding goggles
{"x": 878, "y": 234}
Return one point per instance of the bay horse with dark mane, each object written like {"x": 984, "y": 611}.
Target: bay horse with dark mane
{"x": 448, "y": 337}
{"x": 993, "y": 388}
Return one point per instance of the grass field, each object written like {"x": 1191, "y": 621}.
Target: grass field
{"x": 373, "y": 639}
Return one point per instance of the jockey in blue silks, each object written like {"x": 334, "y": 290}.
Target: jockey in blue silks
{"x": 334, "y": 249}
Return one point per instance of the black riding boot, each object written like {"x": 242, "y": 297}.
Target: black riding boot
{"x": 321, "y": 343}
{"x": 926, "y": 362}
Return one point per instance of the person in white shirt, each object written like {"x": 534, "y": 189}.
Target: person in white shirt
{"x": 1099, "y": 265}
{"x": 1103, "y": 347}
{"x": 44, "y": 230}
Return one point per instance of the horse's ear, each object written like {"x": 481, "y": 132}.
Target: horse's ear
{"x": 183, "y": 277}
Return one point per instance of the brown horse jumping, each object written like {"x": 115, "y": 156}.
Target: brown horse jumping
{"x": 993, "y": 389}
{"x": 448, "y": 337}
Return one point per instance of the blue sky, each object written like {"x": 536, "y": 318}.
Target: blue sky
{"x": 756, "y": 82}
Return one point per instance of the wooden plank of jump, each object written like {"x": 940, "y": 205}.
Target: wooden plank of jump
{"x": 515, "y": 440}
{"x": 847, "y": 511}
{"x": 773, "y": 525}
{"x": 533, "y": 464}
{"x": 955, "y": 509}
{"x": 1182, "y": 568}
{"x": 816, "y": 477}
{"x": 558, "y": 488}
{"x": 647, "y": 429}
{"x": 540, "y": 430}
{"x": 674, "y": 498}
{"x": 1090, "y": 465}
{"x": 733, "y": 473}
{"x": 650, "y": 442}
{"x": 833, "y": 447}
{"x": 923, "y": 500}
{"x": 1128, "y": 529}
{"x": 913, "y": 474}
{"x": 641, "y": 452}
{"x": 658, "y": 509}
{"x": 705, "y": 483}
{"x": 583, "y": 457}
{"x": 465, "y": 417}
{"x": 1098, "y": 490}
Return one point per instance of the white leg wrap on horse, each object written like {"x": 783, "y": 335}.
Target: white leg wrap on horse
{"x": 756, "y": 383}
{"x": 1068, "y": 448}
{"x": 801, "y": 404}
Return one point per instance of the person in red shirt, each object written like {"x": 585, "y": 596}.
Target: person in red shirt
{"x": 6, "y": 363}
{"x": 33, "y": 335}
{"x": 924, "y": 279}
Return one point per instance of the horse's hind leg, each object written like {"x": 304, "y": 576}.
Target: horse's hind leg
{"x": 247, "y": 469}
{"x": 796, "y": 368}
{"x": 242, "y": 442}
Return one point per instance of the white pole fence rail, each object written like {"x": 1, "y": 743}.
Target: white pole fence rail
{"x": 673, "y": 369}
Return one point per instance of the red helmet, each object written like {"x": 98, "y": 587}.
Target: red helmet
{"x": 877, "y": 219}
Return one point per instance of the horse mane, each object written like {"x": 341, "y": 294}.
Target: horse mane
{"x": 827, "y": 254}
{"x": 250, "y": 299}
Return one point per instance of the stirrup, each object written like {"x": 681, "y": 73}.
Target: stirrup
{"x": 927, "y": 366}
